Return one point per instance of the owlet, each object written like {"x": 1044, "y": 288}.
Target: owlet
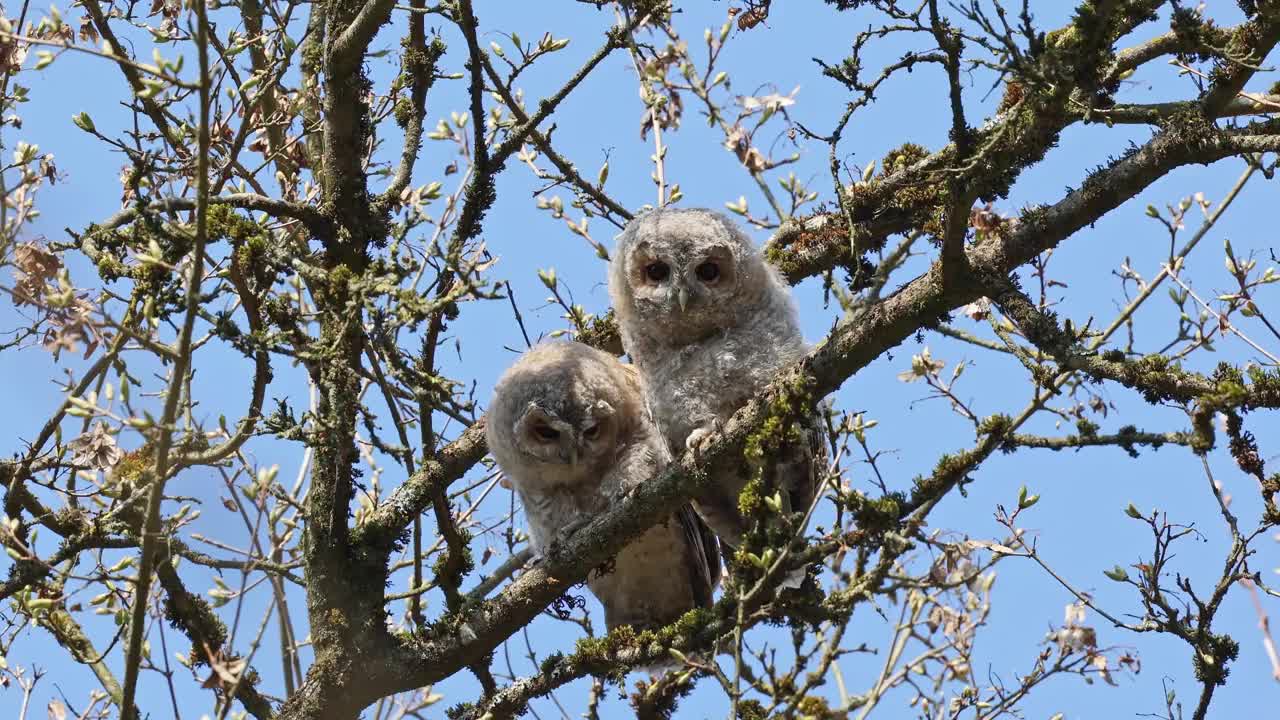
{"x": 569, "y": 427}
{"x": 709, "y": 323}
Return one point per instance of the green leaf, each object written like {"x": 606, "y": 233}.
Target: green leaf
{"x": 774, "y": 502}
{"x": 1116, "y": 573}
{"x": 84, "y": 122}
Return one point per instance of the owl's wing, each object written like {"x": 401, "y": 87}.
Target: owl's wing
{"x": 701, "y": 557}
{"x": 796, "y": 469}
{"x": 807, "y": 466}
{"x": 717, "y": 507}
{"x": 799, "y": 468}
{"x": 633, "y": 375}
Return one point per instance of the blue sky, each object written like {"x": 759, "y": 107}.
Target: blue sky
{"x": 1080, "y": 521}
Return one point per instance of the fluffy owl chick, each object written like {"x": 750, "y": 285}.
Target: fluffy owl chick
{"x": 709, "y": 323}
{"x": 569, "y": 427}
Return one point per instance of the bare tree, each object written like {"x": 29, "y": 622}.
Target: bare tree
{"x": 276, "y": 217}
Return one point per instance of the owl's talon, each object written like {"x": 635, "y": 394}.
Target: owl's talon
{"x": 627, "y": 492}
{"x": 567, "y": 531}
{"x": 698, "y": 437}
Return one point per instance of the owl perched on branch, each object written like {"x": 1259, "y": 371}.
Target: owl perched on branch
{"x": 709, "y": 324}
{"x": 569, "y": 427}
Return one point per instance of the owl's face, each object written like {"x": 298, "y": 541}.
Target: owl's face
{"x": 560, "y": 413}
{"x": 560, "y": 431}
{"x": 686, "y": 271}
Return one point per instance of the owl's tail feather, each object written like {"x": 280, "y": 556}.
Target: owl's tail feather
{"x": 660, "y": 667}
{"x": 793, "y": 580}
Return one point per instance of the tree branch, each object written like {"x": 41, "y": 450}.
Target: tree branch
{"x": 173, "y": 396}
{"x": 193, "y": 616}
{"x": 1249, "y": 44}
{"x": 280, "y": 209}
{"x": 1018, "y": 138}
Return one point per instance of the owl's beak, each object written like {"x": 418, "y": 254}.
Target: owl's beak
{"x": 682, "y": 296}
{"x": 570, "y": 455}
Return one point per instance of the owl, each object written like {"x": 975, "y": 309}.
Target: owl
{"x": 709, "y": 323}
{"x": 570, "y": 429}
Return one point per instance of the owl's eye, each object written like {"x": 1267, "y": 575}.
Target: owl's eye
{"x": 592, "y": 432}
{"x": 657, "y": 271}
{"x": 708, "y": 272}
{"x": 546, "y": 432}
